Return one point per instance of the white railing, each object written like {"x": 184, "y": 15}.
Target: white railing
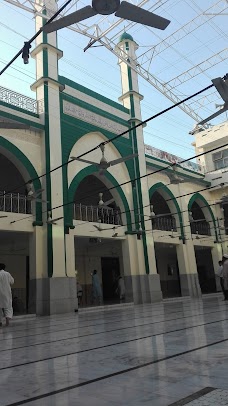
{"x": 166, "y": 156}
{"x": 14, "y": 203}
{"x": 19, "y": 100}
{"x": 96, "y": 214}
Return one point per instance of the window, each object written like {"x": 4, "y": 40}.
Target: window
{"x": 220, "y": 159}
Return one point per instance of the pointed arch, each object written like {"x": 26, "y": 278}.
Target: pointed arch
{"x": 166, "y": 190}
{"x": 90, "y": 170}
{"x": 198, "y": 197}
{"x": 25, "y": 167}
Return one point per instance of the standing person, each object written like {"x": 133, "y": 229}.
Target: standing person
{"x": 6, "y": 308}
{"x": 220, "y": 275}
{"x": 121, "y": 288}
{"x": 225, "y": 274}
{"x": 96, "y": 287}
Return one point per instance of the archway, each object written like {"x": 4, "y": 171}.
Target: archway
{"x": 167, "y": 219}
{"x": 15, "y": 170}
{"x": 202, "y": 223}
{"x": 91, "y": 252}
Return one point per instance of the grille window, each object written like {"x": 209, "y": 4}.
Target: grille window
{"x": 220, "y": 159}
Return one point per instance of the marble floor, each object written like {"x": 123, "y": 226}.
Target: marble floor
{"x": 153, "y": 355}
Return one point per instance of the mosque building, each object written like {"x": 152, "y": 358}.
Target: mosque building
{"x": 159, "y": 223}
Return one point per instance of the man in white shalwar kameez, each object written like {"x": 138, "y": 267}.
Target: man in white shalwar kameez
{"x": 6, "y": 308}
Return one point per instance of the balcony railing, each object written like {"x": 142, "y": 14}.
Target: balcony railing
{"x": 14, "y": 203}
{"x": 19, "y": 100}
{"x": 96, "y": 214}
{"x": 200, "y": 227}
{"x": 164, "y": 223}
{"x": 166, "y": 156}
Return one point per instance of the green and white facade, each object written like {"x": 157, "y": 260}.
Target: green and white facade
{"x": 168, "y": 256}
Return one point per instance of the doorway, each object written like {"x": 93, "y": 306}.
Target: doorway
{"x": 167, "y": 267}
{"x": 205, "y": 269}
{"x": 110, "y": 267}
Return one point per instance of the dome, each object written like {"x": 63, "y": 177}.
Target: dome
{"x": 125, "y": 36}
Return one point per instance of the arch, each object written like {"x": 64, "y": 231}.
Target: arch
{"x": 198, "y": 196}
{"x": 89, "y": 170}
{"x": 25, "y": 167}
{"x": 165, "y": 189}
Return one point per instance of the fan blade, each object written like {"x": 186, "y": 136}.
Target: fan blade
{"x": 40, "y": 201}
{"x": 108, "y": 202}
{"x": 2, "y": 217}
{"x": 73, "y": 18}
{"x": 125, "y": 158}
{"x": 83, "y": 160}
{"x": 138, "y": 15}
{"x": 58, "y": 218}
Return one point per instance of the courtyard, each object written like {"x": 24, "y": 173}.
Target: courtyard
{"x": 171, "y": 353}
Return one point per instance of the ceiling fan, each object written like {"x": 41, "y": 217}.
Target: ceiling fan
{"x": 103, "y": 165}
{"x": 35, "y": 195}
{"x": 174, "y": 178}
{"x": 52, "y": 221}
{"x": 98, "y": 227}
{"x": 105, "y": 7}
{"x": 104, "y": 205}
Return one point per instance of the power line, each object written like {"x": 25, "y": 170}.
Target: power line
{"x": 35, "y": 36}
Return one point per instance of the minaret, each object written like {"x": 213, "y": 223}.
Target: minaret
{"x": 56, "y": 279}
{"x": 131, "y": 99}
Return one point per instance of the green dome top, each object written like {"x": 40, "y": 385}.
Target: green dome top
{"x": 125, "y": 36}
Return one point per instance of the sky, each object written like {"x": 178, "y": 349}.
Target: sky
{"x": 175, "y": 51}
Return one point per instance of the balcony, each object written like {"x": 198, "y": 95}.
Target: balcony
{"x": 96, "y": 214}
{"x": 166, "y": 156}
{"x": 14, "y": 203}
{"x": 18, "y": 100}
{"x": 200, "y": 227}
{"x": 164, "y": 224}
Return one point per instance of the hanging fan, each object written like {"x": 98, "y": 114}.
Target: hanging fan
{"x": 104, "y": 164}
{"x": 104, "y": 205}
{"x": 105, "y": 7}
{"x": 52, "y": 221}
{"x": 115, "y": 234}
{"x": 35, "y": 195}
{"x": 174, "y": 178}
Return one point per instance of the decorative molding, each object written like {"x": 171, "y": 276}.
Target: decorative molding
{"x": 27, "y": 136}
{"x": 93, "y": 118}
{"x": 18, "y": 100}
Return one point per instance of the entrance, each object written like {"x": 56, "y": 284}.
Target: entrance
{"x": 205, "y": 269}
{"x": 167, "y": 267}
{"x": 110, "y": 272}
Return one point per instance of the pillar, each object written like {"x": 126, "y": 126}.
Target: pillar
{"x": 131, "y": 98}
{"x": 56, "y": 290}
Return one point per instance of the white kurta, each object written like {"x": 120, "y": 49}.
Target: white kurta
{"x": 6, "y": 281}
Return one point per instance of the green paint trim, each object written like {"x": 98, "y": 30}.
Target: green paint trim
{"x": 167, "y": 163}
{"x": 48, "y": 184}
{"x": 161, "y": 185}
{"x": 93, "y": 94}
{"x": 198, "y": 196}
{"x": 20, "y": 110}
{"x": 76, "y": 182}
{"x": 21, "y": 157}
{"x": 94, "y": 109}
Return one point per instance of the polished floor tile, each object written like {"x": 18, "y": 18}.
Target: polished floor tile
{"x": 151, "y": 355}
